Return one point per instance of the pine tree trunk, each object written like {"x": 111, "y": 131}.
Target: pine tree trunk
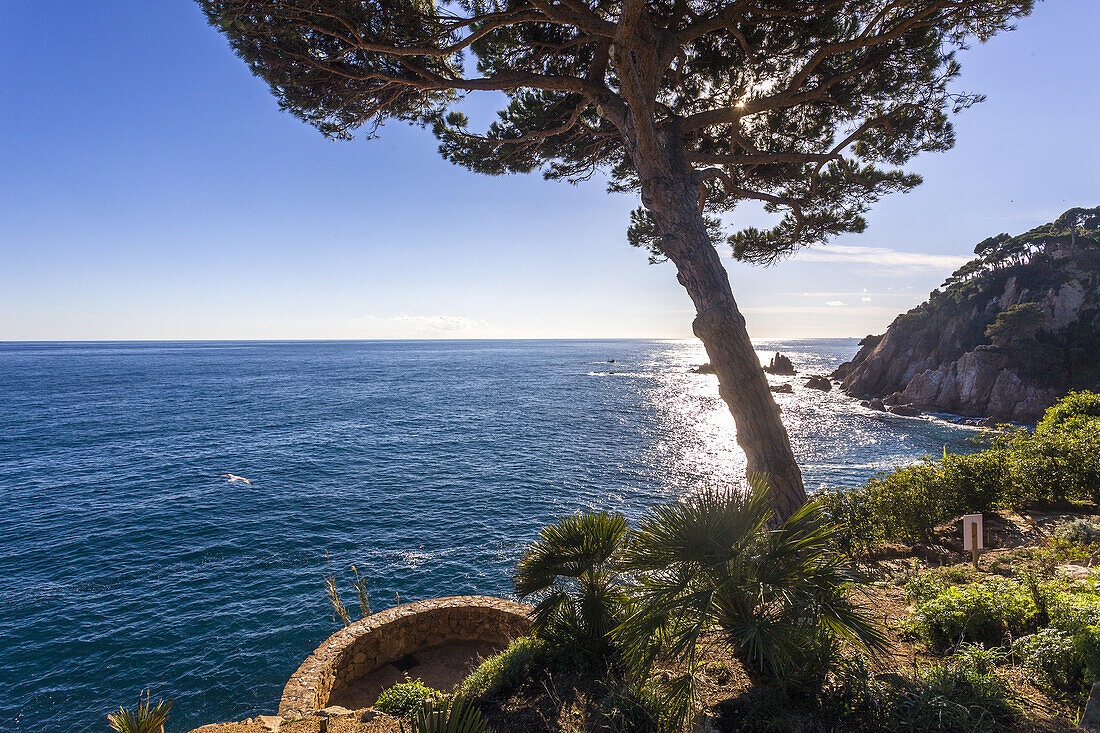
{"x": 670, "y": 193}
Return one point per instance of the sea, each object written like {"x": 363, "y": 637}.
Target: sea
{"x": 129, "y": 563}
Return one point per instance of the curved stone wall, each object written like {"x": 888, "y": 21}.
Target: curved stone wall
{"x": 385, "y": 637}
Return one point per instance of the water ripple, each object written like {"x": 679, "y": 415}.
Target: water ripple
{"x": 126, "y": 562}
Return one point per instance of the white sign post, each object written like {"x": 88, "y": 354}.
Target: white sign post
{"x": 973, "y": 535}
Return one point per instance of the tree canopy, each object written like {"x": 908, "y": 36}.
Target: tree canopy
{"x": 1076, "y": 229}
{"x": 1019, "y": 322}
{"x": 809, "y": 106}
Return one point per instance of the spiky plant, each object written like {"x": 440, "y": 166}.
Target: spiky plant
{"x": 145, "y": 718}
{"x": 569, "y": 569}
{"x": 715, "y": 569}
{"x": 457, "y": 715}
{"x": 338, "y": 607}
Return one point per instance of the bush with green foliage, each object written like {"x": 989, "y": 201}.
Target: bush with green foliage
{"x": 981, "y": 659}
{"x": 406, "y": 698}
{"x": 951, "y": 697}
{"x": 457, "y": 715}
{"x": 1059, "y": 659}
{"x": 1056, "y": 463}
{"x": 907, "y": 504}
{"x": 1083, "y": 530}
{"x": 1073, "y": 409}
{"x": 990, "y": 612}
{"x": 777, "y": 598}
{"x": 1065, "y": 656}
{"x": 509, "y": 669}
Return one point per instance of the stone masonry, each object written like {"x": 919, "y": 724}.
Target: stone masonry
{"x": 385, "y": 637}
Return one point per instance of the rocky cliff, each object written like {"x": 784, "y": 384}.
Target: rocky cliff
{"x": 1011, "y": 331}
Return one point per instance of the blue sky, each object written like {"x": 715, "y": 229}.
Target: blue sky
{"x": 151, "y": 189}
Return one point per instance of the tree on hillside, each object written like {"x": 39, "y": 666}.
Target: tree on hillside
{"x": 1074, "y": 229}
{"x": 1016, "y": 323}
{"x": 808, "y": 106}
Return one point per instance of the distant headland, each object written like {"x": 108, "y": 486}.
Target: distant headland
{"x": 1009, "y": 333}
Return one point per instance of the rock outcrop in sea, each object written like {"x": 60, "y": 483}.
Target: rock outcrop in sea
{"x": 780, "y": 364}
{"x": 1011, "y": 331}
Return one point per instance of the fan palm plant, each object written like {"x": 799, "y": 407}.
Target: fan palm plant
{"x": 145, "y": 718}
{"x": 717, "y": 569}
{"x": 569, "y": 568}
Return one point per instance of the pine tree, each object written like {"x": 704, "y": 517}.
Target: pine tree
{"x": 809, "y": 106}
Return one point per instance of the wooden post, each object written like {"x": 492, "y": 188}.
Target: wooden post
{"x": 974, "y": 543}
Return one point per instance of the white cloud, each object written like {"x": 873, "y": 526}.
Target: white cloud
{"x": 884, "y": 311}
{"x": 835, "y": 303}
{"x": 881, "y": 257}
{"x": 440, "y": 323}
{"x": 417, "y": 326}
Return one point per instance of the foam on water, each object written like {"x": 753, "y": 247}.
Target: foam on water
{"x": 126, "y": 562}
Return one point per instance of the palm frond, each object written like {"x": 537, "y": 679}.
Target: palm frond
{"x": 458, "y": 715}
{"x": 570, "y": 547}
{"x": 570, "y": 569}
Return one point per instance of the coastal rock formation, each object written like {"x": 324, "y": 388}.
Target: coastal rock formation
{"x": 819, "y": 382}
{"x": 702, "y": 369}
{"x": 780, "y": 365}
{"x": 782, "y": 388}
{"x": 1009, "y": 334}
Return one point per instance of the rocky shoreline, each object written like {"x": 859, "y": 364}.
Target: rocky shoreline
{"x": 1002, "y": 342}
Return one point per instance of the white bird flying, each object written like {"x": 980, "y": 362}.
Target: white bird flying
{"x": 233, "y": 478}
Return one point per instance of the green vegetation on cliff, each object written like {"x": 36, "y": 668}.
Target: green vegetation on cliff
{"x": 1009, "y": 332}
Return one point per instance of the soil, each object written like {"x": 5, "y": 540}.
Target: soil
{"x": 440, "y": 667}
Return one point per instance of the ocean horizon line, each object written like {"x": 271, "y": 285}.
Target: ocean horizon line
{"x": 574, "y": 339}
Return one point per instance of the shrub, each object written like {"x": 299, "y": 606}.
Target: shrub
{"x": 406, "y": 698}
{"x": 509, "y": 669}
{"x": 1071, "y": 409}
{"x": 951, "y": 698}
{"x": 1057, "y": 462}
{"x": 988, "y": 612}
{"x": 855, "y": 694}
{"x": 978, "y": 658}
{"x": 1052, "y": 466}
{"x": 1082, "y": 529}
{"x": 941, "y": 698}
{"x": 778, "y": 597}
{"x": 1049, "y": 654}
{"x": 1065, "y": 657}
{"x": 907, "y": 504}
{"x": 925, "y": 586}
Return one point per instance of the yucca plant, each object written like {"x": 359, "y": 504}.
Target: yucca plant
{"x": 569, "y": 568}
{"x": 145, "y": 718}
{"x": 715, "y": 569}
{"x": 457, "y": 715}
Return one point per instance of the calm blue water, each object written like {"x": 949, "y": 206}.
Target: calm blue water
{"x": 126, "y": 562}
